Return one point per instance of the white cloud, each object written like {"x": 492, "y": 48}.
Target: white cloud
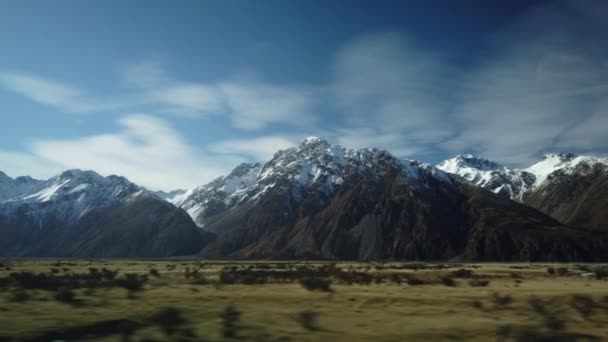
{"x": 147, "y": 151}
{"x": 44, "y": 91}
{"x": 533, "y": 91}
{"x": 384, "y": 83}
{"x": 260, "y": 148}
{"x": 17, "y": 164}
{"x": 250, "y": 104}
{"x": 367, "y": 138}
{"x": 55, "y": 94}
{"x": 589, "y": 134}
{"x": 146, "y": 75}
{"x": 255, "y": 105}
{"x": 200, "y": 98}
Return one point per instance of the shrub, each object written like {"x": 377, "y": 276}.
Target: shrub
{"x": 308, "y": 320}
{"x": 462, "y": 273}
{"x": 501, "y": 301}
{"x": 413, "y": 281}
{"x": 396, "y": 278}
{"x": 316, "y": 284}
{"x": 19, "y": 295}
{"x": 65, "y": 295}
{"x": 448, "y": 281}
{"x": 201, "y": 281}
{"x": 479, "y": 282}
{"x": 477, "y": 304}
{"x": 169, "y": 320}
{"x": 154, "y": 272}
{"x": 133, "y": 283}
{"x": 583, "y": 304}
{"x": 230, "y": 320}
{"x": 601, "y": 273}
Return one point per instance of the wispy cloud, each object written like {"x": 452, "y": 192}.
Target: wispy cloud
{"x": 46, "y": 92}
{"x": 260, "y": 148}
{"x": 254, "y": 105}
{"x": 534, "y": 91}
{"x": 249, "y": 103}
{"x": 391, "y": 91}
{"x": 17, "y": 164}
{"x": 147, "y": 151}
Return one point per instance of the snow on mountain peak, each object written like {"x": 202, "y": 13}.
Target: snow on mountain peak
{"x": 470, "y": 161}
{"x": 313, "y": 166}
{"x": 514, "y": 182}
{"x": 311, "y": 140}
{"x": 567, "y": 162}
{"x": 67, "y": 196}
{"x": 489, "y": 174}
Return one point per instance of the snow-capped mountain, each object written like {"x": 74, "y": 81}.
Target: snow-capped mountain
{"x": 511, "y": 182}
{"x": 313, "y": 166}
{"x": 40, "y": 217}
{"x": 69, "y": 196}
{"x": 567, "y": 163}
{"x": 10, "y": 187}
{"x": 490, "y": 175}
{"x": 321, "y": 201}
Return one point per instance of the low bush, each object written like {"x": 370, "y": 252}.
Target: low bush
{"x": 413, "y": 281}
{"x": 479, "y": 282}
{"x": 462, "y": 273}
{"x": 19, "y": 295}
{"x": 309, "y": 320}
{"x": 501, "y": 300}
{"x": 65, "y": 295}
{"x": 316, "y": 284}
{"x": 448, "y": 281}
{"x": 230, "y": 320}
{"x": 584, "y": 305}
{"x": 169, "y": 320}
{"x": 154, "y": 272}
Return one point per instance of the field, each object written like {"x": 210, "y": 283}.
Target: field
{"x": 110, "y": 300}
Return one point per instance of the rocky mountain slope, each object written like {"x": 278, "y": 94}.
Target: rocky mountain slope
{"x": 575, "y": 193}
{"x": 490, "y": 175}
{"x": 322, "y": 201}
{"x": 82, "y": 214}
{"x": 570, "y": 188}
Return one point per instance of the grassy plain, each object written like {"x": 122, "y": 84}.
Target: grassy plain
{"x": 257, "y": 301}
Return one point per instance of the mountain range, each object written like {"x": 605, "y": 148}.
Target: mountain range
{"x": 322, "y": 201}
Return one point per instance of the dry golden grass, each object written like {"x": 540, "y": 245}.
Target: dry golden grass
{"x": 271, "y": 312}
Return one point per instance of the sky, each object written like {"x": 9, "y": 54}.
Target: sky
{"x": 172, "y": 94}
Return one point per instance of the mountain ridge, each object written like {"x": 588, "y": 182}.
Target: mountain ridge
{"x": 319, "y": 201}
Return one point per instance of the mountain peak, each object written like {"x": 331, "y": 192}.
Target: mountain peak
{"x": 4, "y": 178}
{"x": 313, "y": 140}
{"x": 468, "y": 161}
{"x": 561, "y": 157}
{"x": 80, "y": 174}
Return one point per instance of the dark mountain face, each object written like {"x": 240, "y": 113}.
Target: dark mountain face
{"x": 570, "y": 188}
{"x": 577, "y": 198}
{"x": 81, "y": 214}
{"x": 387, "y": 217}
{"x": 318, "y": 201}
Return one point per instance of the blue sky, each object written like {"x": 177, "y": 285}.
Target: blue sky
{"x": 174, "y": 94}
